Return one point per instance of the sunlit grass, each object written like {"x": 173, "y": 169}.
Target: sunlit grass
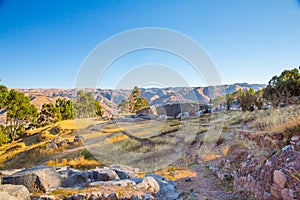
{"x": 76, "y": 163}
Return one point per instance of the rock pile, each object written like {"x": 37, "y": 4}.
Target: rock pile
{"x": 42, "y": 180}
{"x": 276, "y": 177}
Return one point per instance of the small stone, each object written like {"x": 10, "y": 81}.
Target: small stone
{"x": 113, "y": 196}
{"x": 188, "y": 179}
{"x": 136, "y": 197}
{"x": 148, "y": 197}
{"x": 267, "y": 195}
{"x": 268, "y": 163}
{"x": 286, "y": 148}
{"x": 279, "y": 178}
{"x": 295, "y": 138}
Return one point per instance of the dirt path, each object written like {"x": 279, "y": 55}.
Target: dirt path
{"x": 206, "y": 186}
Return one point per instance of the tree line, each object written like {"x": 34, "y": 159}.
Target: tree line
{"x": 281, "y": 90}
{"x": 22, "y": 115}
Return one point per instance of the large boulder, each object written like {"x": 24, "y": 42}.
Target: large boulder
{"x": 150, "y": 184}
{"x": 38, "y": 179}
{"x": 124, "y": 172}
{"x": 76, "y": 178}
{"x": 15, "y": 192}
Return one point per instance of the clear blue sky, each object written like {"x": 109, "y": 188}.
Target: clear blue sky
{"x": 43, "y": 43}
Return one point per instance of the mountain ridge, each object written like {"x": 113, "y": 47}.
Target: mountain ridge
{"x": 110, "y": 98}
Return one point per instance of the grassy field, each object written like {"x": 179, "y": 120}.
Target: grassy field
{"x": 145, "y": 137}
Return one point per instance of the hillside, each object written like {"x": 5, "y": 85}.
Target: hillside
{"x": 254, "y": 147}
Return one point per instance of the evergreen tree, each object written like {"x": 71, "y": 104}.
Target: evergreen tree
{"x": 284, "y": 88}
{"x": 135, "y": 102}
{"x": 86, "y": 106}
{"x": 66, "y": 108}
{"x": 98, "y": 109}
{"x": 49, "y": 114}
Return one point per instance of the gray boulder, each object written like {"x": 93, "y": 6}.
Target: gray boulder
{"x": 77, "y": 179}
{"x": 102, "y": 175}
{"x": 15, "y": 191}
{"x": 38, "y": 179}
{"x": 149, "y": 184}
{"x": 124, "y": 172}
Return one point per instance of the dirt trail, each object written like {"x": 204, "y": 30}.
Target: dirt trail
{"x": 206, "y": 186}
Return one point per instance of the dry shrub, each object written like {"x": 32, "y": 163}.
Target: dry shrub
{"x": 291, "y": 124}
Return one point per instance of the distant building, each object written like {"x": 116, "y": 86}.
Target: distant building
{"x": 173, "y": 110}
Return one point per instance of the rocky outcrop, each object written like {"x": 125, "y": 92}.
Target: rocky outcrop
{"x": 274, "y": 178}
{"x": 103, "y": 183}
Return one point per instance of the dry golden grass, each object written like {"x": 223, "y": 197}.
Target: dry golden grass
{"x": 125, "y": 191}
{"x": 211, "y": 157}
{"x": 286, "y": 125}
{"x": 117, "y": 138}
{"x": 76, "y": 163}
{"x": 175, "y": 173}
{"x": 225, "y": 150}
{"x": 78, "y": 123}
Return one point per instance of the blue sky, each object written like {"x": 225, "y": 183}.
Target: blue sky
{"x": 43, "y": 43}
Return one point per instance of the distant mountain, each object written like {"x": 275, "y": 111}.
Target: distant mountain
{"x": 110, "y": 98}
